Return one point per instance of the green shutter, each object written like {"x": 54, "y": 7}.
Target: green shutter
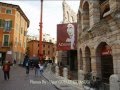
{"x": 3, "y": 23}
{"x": 0, "y": 22}
{"x": 10, "y": 24}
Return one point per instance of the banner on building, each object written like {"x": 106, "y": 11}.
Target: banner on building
{"x": 67, "y": 36}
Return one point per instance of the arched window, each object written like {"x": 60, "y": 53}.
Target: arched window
{"x": 85, "y": 16}
{"x": 104, "y": 6}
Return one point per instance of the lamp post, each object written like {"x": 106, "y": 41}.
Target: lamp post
{"x": 40, "y": 33}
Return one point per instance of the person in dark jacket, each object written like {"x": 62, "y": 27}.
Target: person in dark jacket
{"x": 36, "y": 68}
{"x": 27, "y": 64}
{"x": 6, "y": 70}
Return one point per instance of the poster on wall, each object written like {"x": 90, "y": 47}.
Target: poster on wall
{"x": 66, "y": 36}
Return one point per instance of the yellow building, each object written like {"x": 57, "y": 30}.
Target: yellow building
{"x": 13, "y": 30}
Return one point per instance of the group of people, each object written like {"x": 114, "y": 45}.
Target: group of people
{"x": 37, "y": 66}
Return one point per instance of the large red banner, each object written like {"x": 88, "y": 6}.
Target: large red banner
{"x": 67, "y": 36}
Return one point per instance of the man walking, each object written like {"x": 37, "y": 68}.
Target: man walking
{"x": 27, "y": 64}
{"x": 6, "y": 70}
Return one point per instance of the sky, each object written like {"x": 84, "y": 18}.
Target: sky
{"x": 52, "y": 14}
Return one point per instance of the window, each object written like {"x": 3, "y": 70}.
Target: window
{"x": 9, "y": 11}
{"x": 48, "y": 46}
{"x": 38, "y": 52}
{"x": 105, "y": 7}
{"x": 6, "y": 40}
{"x": 48, "y": 52}
{"x": 43, "y": 45}
{"x": 7, "y": 25}
{"x": 25, "y": 33}
{"x": 0, "y": 22}
{"x": 21, "y": 30}
{"x": 43, "y": 52}
{"x": 53, "y": 49}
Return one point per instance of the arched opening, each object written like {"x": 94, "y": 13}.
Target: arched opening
{"x": 104, "y": 6}
{"x": 68, "y": 16}
{"x": 88, "y": 59}
{"x": 104, "y": 53}
{"x": 85, "y": 16}
{"x": 81, "y": 60}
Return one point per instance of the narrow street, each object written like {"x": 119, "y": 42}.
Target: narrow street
{"x": 20, "y": 81}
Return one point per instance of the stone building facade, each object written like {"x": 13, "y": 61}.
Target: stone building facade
{"x": 69, "y": 16}
{"x": 99, "y": 39}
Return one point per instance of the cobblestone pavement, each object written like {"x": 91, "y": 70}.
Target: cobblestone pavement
{"x": 20, "y": 81}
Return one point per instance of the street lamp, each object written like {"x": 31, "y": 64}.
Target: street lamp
{"x": 40, "y": 37}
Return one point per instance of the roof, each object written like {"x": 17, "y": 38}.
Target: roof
{"x": 18, "y": 9}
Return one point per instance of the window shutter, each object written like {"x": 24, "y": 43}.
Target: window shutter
{"x": 3, "y": 23}
{"x": 10, "y": 24}
{"x": 0, "y": 22}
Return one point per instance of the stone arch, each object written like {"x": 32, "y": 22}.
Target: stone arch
{"x": 104, "y": 61}
{"x": 81, "y": 59}
{"x": 88, "y": 59}
{"x": 85, "y": 15}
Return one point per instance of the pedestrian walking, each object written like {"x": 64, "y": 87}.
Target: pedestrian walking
{"x": 27, "y": 64}
{"x": 36, "y": 66}
{"x": 41, "y": 68}
{"x": 14, "y": 62}
{"x": 6, "y": 70}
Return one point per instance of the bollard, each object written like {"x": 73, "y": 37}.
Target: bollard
{"x": 57, "y": 71}
{"x": 65, "y": 73}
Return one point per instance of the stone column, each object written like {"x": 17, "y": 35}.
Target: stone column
{"x": 65, "y": 73}
{"x": 116, "y": 58}
{"x": 94, "y": 12}
{"x": 57, "y": 71}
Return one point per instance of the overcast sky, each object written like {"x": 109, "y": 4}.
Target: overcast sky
{"x": 52, "y": 14}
